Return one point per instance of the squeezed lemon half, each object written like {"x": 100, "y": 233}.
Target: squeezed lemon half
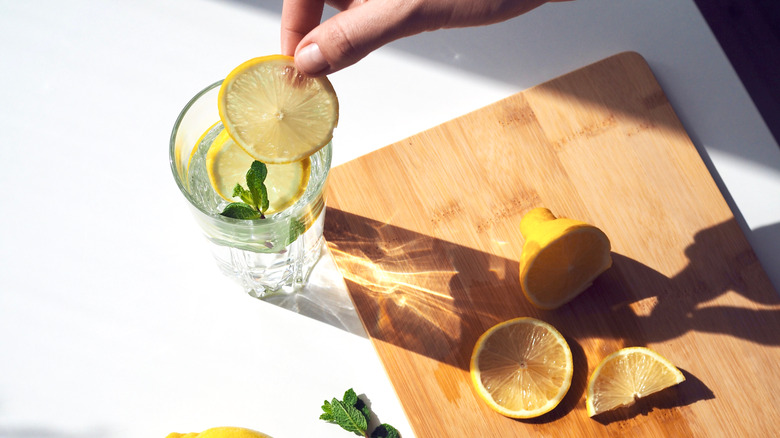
{"x": 560, "y": 258}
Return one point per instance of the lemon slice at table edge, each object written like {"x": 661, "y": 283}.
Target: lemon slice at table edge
{"x": 274, "y": 112}
{"x": 627, "y": 375}
{"x": 522, "y": 368}
{"x": 227, "y": 165}
{"x": 221, "y": 432}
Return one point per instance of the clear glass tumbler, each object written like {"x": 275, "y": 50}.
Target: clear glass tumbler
{"x": 266, "y": 256}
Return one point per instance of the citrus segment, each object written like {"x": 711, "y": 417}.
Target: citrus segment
{"x": 521, "y": 368}
{"x": 560, "y": 258}
{"x": 227, "y": 164}
{"x": 627, "y": 375}
{"x": 274, "y": 112}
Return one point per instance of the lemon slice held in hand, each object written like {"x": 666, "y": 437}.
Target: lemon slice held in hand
{"x": 627, "y": 375}
{"x": 522, "y": 368}
{"x": 276, "y": 113}
{"x": 227, "y": 165}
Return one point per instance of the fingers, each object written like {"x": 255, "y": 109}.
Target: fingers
{"x": 353, "y": 33}
{"x": 299, "y": 17}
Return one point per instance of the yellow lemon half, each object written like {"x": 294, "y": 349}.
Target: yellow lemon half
{"x": 274, "y": 112}
{"x": 560, "y": 258}
{"x": 227, "y": 164}
{"x": 221, "y": 432}
{"x": 522, "y": 368}
{"x": 626, "y": 375}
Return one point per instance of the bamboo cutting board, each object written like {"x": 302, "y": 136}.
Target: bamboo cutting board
{"x": 425, "y": 233}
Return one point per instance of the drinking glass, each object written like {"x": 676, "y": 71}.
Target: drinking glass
{"x": 266, "y": 256}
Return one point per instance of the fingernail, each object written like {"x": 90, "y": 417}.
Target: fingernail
{"x": 310, "y": 59}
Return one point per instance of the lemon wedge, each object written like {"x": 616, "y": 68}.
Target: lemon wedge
{"x": 522, "y": 368}
{"x": 274, "y": 112}
{"x": 627, "y": 375}
{"x": 227, "y": 164}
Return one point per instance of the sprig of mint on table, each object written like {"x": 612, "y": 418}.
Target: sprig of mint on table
{"x": 254, "y": 197}
{"x": 353, "y": 415}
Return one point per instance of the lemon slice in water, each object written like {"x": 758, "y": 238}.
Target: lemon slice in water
{"x": 274, "y": 112}
{"x": 227, "y": 164}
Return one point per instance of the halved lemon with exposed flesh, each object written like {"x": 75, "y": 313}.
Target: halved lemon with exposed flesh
{"x": 522, "y": 368}
{"x": 274, "y": 112}
{"x": 227, "y": 165}
{"x": 627, "y": 375}
{"x": 560, "y": 258}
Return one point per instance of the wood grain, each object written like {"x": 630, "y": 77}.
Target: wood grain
{"x": 425, "y": 233}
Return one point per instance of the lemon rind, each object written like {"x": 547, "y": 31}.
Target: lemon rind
{"x": 589, "y": 406}
{"x": 485, "y": 395}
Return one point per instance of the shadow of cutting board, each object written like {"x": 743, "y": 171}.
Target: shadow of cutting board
{"x": 425, "y": 233}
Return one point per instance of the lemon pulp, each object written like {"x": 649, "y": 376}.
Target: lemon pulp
{"x": 275, "y": 113}
{"x": 627, "y": 375}
{"x": 522, "y": 368}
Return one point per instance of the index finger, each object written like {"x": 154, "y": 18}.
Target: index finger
{"x": 299, "y": 17}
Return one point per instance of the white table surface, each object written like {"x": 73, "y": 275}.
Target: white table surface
{"x": 114, "y": 321}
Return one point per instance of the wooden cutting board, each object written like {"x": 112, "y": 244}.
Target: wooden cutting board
{"x": 425, "y": 233}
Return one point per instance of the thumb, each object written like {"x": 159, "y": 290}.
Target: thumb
{"x": 350, "y": 35}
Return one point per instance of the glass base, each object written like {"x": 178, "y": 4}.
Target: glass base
{"x": 267, "y": 274}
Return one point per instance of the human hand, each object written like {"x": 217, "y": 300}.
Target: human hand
{"x": 363, "y": 26}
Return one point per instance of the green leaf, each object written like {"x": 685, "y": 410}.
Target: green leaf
{"x": 328, "y": 412}
{"x": 296, "y": 229}
{"x": 244, "y": 194}
{"x": 255, "y": 178}
{"x": 353, "y": 415}
{"x": 351, "y": 398}
{"x": 385, "y": 431}
{"x": 349, "y": 417}
{"x": 263, "y": 203}
{"x": 240, "y": 210}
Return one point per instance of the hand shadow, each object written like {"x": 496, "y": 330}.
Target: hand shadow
{"x": 434, "y": 298}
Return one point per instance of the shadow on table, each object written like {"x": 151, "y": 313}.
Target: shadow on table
{"x": 324, "y": 299}
{"x": 556, "y": 28}
{"x": 673, "y": 397}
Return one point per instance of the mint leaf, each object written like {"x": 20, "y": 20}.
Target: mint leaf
{"x": 328, "y": 412}
{"x": 255, "y": 198}
{"x": 296, "y": 229}
{"x": 353, "y": 415}
{"x": 244, "y": 194}
{"x": 385, "y": 431}
{"x": 255, "y": 178}
{"x": 349, "y": 417}
{"x": 351, "y": 399}
{"x": 240, "y": 210}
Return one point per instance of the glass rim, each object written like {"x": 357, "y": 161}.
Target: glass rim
{"x": 177, "y": 177}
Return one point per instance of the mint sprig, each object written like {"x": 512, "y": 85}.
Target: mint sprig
{"x": 254, "y": 197}
{"x": 353, "y": 415}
